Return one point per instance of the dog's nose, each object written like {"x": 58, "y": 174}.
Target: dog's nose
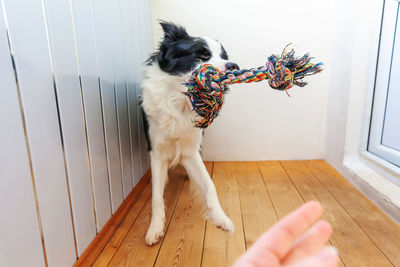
{"x": 231, "y": 66}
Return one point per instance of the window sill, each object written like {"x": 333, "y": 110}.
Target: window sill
{"x": 381, "y": 166}
{"x": 377, "y": 179}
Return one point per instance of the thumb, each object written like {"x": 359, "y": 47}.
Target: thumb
{"x": 327, "y": 257}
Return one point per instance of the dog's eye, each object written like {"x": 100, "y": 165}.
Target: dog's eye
{"x": 205, "y": 55}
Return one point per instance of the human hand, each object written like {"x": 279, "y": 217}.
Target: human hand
{"x": 288, "y": 243}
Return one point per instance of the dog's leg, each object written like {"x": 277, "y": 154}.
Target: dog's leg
{"x": 159, "y": 171}
{"x": 198, "y": 173}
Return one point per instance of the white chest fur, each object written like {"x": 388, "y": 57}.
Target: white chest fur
{"x": 172, "y": 132}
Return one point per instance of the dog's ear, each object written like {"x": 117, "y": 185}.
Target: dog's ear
{"x": 172, "y": 31}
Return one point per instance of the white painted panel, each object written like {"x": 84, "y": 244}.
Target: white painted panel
{"x": 140, "y": 57}
{"x": 142, "y": 138}
{"x": 391, "y": 127}
{"x": 19, "y": 228}
{"x": 149, "y": 45}
{"x": 136, "y": 58}
{"x": 105, "y": 61}
{"x": 135, "y": 135}
{"x": 147, "y": 50}
{"x": 147, "y": 23}
{"x": 130, "y": 73}
{"x": 29, "y": 41}
{"x": 73, "y": 125}
{"x": 117, "y": 39}
{"x": 86, "y": 48}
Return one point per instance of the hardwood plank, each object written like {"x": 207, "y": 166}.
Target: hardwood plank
{"x": 284, "y": 194}
{"x": 356, "y": 249}
{"x": 209, "y": 166}
{"x": 258, "y": 213}
{"x": 382, "y": 230}
{"x": 115, "y": 242}
{"x": 183, "y": 243}
{"x": 133, "y": 250}
{"x": 100, "y": 241}
{"x": 343, "y": 205}
{"x": 222, "y": 248}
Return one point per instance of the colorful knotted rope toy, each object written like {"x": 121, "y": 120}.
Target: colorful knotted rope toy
{"x": 206, "y": 85}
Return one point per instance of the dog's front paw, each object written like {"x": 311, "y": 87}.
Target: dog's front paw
{"x": 154, "y": 234}
{"x": 225, "y": 224}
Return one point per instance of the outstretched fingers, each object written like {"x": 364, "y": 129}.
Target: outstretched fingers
{"x": 281, "y": 237}
{"x": 313, "y": 241}
{"x": 326, "y": 257}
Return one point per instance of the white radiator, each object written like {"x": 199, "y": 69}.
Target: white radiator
{"x": 71, "y": 136}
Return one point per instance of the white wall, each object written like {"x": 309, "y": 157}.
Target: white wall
{"x": 352, "y": 76}
{"x": 354, "y": 58}
{"x": 340, "y": 80}
{"x": 256, "y": 122}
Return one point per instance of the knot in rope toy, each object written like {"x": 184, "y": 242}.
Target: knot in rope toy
{"x": 207, "y": 85}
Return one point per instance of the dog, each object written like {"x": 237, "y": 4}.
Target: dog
{"x": 168, "y": 117}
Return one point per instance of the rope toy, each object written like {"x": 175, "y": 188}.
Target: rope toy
{"x": 207, "y": 85}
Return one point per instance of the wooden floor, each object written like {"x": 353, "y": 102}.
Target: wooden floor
{"x": 254, "y": 195}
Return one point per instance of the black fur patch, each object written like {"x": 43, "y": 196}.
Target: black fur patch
{"x": 145, "y": 125}
{"x": 223, "y": 54}
{"x": 179, "y": 52}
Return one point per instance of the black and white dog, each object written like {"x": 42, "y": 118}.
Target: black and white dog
{"x": 172, "y": 136}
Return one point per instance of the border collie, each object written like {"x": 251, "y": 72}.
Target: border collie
{"x": 172, "y": 136}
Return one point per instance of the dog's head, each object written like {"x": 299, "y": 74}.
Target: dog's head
{"x": 179, "y": 53}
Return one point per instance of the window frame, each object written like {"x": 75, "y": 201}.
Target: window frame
{"x": 390, "y": 27}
